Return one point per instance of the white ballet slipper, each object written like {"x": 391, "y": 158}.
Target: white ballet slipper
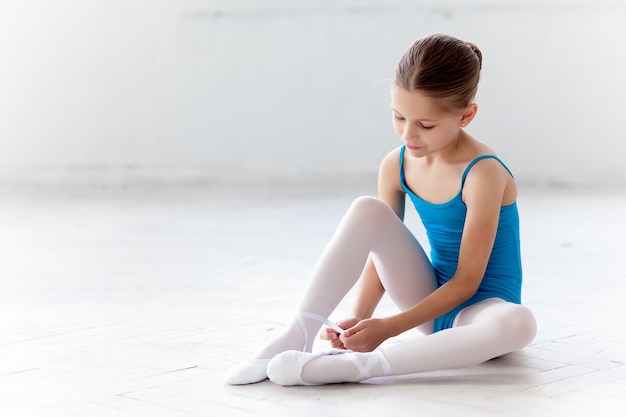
{"x": 249, "y": 372}
{"x": 286, "y": 368}
{"x": 255, "y": 370}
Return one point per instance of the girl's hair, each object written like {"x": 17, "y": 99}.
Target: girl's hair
{"x": 442, "y": 67}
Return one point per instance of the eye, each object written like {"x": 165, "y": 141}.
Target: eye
{"x": 426, "y": 127}
{"x": 397, "y": 117}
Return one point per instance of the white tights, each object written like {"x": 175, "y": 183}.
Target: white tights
{"x": 370, "y": 228}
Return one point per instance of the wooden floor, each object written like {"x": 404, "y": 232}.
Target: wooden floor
{"x": 134, "y": 303}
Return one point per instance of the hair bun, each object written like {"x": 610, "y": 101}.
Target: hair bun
{"x": 477, "y": 52}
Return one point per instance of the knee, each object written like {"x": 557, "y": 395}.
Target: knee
{"x": 370, "y": 207}
{"x": 518, "y": 325}
{"x": 368, "y": 217}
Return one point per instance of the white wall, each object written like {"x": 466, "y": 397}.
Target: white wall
{"x": 145, "y": 91}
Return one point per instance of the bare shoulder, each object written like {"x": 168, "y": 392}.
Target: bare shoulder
{"x": 389, "y": 187}
{"x": 486, "y": 168}
{"x": 489, "y": 177}
{"x": 389, "y": 171}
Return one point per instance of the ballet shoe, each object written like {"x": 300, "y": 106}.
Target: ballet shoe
{"x": 255, "y": 370}
{"x": 286, "y": 368}
{"x": 249, "y": 372}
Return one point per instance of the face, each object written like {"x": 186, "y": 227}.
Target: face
{"x": 422, "y": 125}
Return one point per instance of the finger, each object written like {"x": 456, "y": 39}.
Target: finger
{"x": 329, "y": 334}
{"x": 336, "y": 344}
{"x": 353, "y": 330}
{"x": 338, "y": 329}
{"x": 349, "y": 343}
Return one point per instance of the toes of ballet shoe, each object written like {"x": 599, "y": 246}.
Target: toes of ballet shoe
{"x": 247, "y": 373}
{"x": 286, "y": 368}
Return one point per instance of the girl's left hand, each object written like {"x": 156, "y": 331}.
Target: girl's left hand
{"x": 365, "y": 336}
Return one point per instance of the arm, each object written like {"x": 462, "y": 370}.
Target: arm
{"x": 483, "y": 194}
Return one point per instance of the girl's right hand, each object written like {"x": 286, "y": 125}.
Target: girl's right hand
{"x": 333, "y": 336}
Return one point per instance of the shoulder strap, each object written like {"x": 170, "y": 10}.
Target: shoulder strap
{"x": 471, "y": 164}
{"x": 402, "y": 179}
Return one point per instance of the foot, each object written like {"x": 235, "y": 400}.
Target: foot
{"x": 286, "y": 368}
{"x": 298, "y": 335}
{"x": 300, "y": 368}
{"x": 250, "y": 372}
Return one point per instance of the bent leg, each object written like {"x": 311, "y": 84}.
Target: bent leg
{"x": 485, "y": 330}
{"x": 369, "y": 226}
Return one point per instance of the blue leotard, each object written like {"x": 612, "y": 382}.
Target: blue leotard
{"x": 444, "y": 227}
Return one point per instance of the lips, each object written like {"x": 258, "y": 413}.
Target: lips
{"x": 413, "y": 148}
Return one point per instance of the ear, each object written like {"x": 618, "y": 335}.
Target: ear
{"x": 468, "y": 114}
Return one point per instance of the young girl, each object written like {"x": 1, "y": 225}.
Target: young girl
{"x": 466, "y": 298}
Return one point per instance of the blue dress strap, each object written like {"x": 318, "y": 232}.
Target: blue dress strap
{"x": 402, "y": 179}
{"x": 481, "y": 157}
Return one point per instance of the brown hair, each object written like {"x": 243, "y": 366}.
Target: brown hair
{"x": 442, "y": 67}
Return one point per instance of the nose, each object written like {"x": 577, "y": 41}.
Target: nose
{"x": 408, "y": 132}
